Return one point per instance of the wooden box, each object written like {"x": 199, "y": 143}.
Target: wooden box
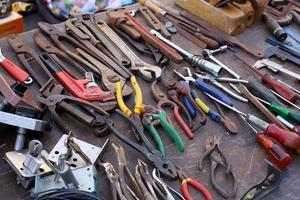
{"x": 229, "y": 18}
{"x": 11, "y": 24}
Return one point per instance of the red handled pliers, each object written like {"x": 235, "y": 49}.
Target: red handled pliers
{"x": 163, "y": 101}
{"x": 189, "y": 181}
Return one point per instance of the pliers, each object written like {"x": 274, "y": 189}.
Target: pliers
{"x": 163, "y": 101}
{"x": 165, "y": 166}
{"x": 154, "y": 116}
{"x": 113, "y": 178}
{"x": 186, "y": 181}
{"x": 181, "y": 89}
{"x": 138, "y": 107}
{"x": 217, "y": 159}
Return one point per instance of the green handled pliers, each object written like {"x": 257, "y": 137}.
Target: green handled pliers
{"x": 154, "y": 117}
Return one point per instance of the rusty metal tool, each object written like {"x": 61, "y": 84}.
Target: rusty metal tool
{"x": 143, "y": 184}
{"x": 147, "y": 71}
{"x": 144, "y": 48}
{"x": 79, "y": 88}
{"x": 270, "y": 183}
{"x": 15, "y": 71}
{"x": 150, "y": 183}
{"x": 193, "y": 59}
{"x": 53, "y": 98}
{"x": 274, "y": 28}
{"x": 202, "y": 26}
{"x": 218, "y": 159}
{"x": 163, "y": 101}
{"x": 78, "y": 30}
{"x": 123, "y": 170}
{"x": 164, "y": 165}
{"x": 107, "y": 76}
{"x": 152, "y": 20}
{"x": 121, "y": 18}
{"x": 114, "y": 181}
{"x": 29, "y": 58}
{"x": 181, "y": 89}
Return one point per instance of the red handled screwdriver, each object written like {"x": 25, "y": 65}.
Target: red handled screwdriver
{"x": 273, "y": 83}
{"x": 275, "y": 152}
{"x": 288, "y": 139}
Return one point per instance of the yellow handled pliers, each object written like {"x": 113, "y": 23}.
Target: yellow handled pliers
{"x": 139, "y": 107}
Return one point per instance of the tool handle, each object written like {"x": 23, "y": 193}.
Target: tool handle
{"x": 120, "y": 101}
{"x": 15, "y": 71}
{"x": 182, "y": 123}
{"x": 276, "y": 153}
{"x": 285, "y": 113}
{"x": 152, "y": 130}
{"x": 288, "y": 139}
{"x": 280, "y": 88}
{"x": 152, "y": 6}
{"x": 211, "y": 44}
{"x": 196, "y": 185}
{"x": 259, "y": 90}
{"x": 213, "y": 92}
{"x": 211, "y": 113}
{"x": 189, "y": 106}
{"x": 275, "y": 28}
{"x": 139, "y": 106}
{"x": 171, "y": 131}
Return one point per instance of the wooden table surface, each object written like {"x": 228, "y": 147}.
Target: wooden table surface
{"x": 244, "y": 154}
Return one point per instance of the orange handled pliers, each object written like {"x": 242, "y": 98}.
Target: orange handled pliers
{"x": 189, "y": 181}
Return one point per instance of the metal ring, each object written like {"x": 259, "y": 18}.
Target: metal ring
{"x": 28, "y": 81}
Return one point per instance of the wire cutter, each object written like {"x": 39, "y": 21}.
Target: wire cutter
{"x": 186, "y": 181}
{"x": 164, "y": 165}
{"x": 217, "y": 159}
{"x": 163, "y": 101}
{"x": 154, "y": 116}
{"x": 205, "y": 87}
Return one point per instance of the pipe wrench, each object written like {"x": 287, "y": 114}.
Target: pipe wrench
{"x": 83, "y": 89}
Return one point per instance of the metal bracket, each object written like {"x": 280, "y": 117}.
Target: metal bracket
{"x": 76, "y": 160}
{"x": 86, "y": 177}
{"x": 25, "y": 177}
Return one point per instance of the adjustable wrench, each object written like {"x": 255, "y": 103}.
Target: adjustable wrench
{"x": 147, "y": 71}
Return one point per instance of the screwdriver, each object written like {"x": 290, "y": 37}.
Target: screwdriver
{"x": 288, "y": 139}
{"x": 296, "y": 129}
{"x": 273, "y": 83}
{"x": 275, "y": 152}
{"x": 282, "y": 111}
{"x": 259, "y": 90}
